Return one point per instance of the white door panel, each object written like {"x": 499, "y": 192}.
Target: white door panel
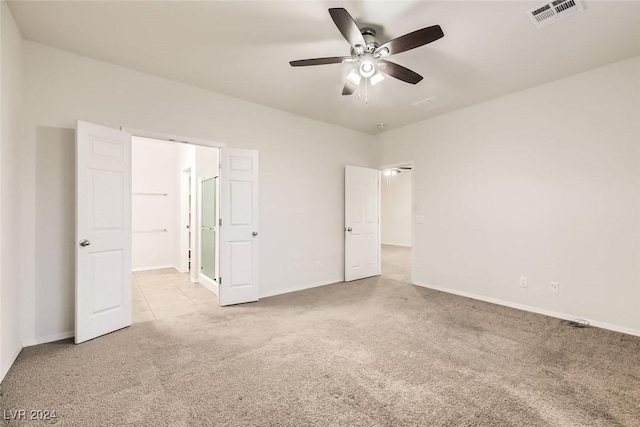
{"x": 238, "y": 233}
{"x": 362, "y": 223}
{"x": 103, "y": 225}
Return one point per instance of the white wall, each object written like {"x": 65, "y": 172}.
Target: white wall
{"x": 543, "y": 183}
{"x": 301, "y": 167}
{"x": 207, "y": 162}
{"x": 55, "y": 230}
{"x": 10, "y": 96}
{"x": 396, "y": 209}
{"x": 154, "y": 173}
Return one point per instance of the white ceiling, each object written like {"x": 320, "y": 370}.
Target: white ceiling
{"x": 243, "y": 48}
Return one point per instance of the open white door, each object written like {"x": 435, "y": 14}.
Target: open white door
{"x": 362, "y": 223}
{"x": 103, "y": 230}
{"x": 238, "y": 281}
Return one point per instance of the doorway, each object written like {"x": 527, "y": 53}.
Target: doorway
{"x": 396, "y": 219}
{"x": 173, "y": 259}
{"x": 103, "y": 261}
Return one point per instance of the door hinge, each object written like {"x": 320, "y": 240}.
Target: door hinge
{"x": 220, "y": 280}
{"x": 220, "y": 222}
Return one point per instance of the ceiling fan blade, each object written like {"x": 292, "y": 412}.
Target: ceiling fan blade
{"x": 319, "y": 61}
{"x": 412, "y": 40}
{"x": 347, "y": 26}
{"x": 352, "y": 83}
{"x": 399, "y": 72}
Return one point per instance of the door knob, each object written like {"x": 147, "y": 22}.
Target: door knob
{"x": 349, "y": 229}
{"x": 84, "y": 242}
{"x": 254, "y": 234}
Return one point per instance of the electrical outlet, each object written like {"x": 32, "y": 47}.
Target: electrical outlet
{"x": 523, "y": 282}
{"x": 555, "y": 287}
{"x": 318, "y": 265}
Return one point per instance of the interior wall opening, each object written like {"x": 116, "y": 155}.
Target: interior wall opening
{"x": 396, "y": 221}
{"x": 174, "y": 240}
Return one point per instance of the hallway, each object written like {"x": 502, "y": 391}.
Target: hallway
{"x": 396, "y": 263}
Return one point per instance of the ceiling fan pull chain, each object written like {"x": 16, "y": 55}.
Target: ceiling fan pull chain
{"x": 366, "y": 91}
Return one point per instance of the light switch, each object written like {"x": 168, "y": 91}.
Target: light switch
{"x": 420, "y": 219}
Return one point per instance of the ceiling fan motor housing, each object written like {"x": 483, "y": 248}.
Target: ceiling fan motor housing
{"x": 369, "y": 35}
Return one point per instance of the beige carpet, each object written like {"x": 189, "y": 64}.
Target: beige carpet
{"x": 373, "y": 352}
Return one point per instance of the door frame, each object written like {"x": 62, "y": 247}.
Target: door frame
{"x": 195, "y": 216}
{"x": 413, "y": 214}
{"x": 173, "y": 138}
{"x": 186, "y": 220}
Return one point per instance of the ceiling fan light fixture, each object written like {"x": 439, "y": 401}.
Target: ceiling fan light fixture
{"x": 376, "y": 78}
{"x": 383, "y": 52}
{"x": 367, "y": 69}
{"x": 354, "y": 77}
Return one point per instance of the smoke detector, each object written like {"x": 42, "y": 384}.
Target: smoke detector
{"x": 554, "y": 11}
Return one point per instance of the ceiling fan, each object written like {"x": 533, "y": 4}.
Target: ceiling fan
{"x": 395, "y": 171}
{"x": 367, "y": 53}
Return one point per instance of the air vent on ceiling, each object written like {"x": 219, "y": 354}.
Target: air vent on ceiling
{"x": 430, "y": 104}
{"x": 554, "y": 11}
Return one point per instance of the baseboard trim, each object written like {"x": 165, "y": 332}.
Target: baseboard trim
{"x": 8, "y": 364}
{"x": 49, "y": 338}
{"x": 180, "y": 270}
{"x": 524, "y": 307}
{"x": 159, "y": 267}
{"x": 208, "y": 283}
{"x": 302, "y": 287}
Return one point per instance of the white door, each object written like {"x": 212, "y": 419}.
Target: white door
{"x": 103, "y": 230}
{"x": 238, "y": 281}
{"x": 362, "y": 223}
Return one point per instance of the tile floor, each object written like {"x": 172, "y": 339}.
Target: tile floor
{"x": 396, "y": 263}
{"x": 158, "y": 294}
